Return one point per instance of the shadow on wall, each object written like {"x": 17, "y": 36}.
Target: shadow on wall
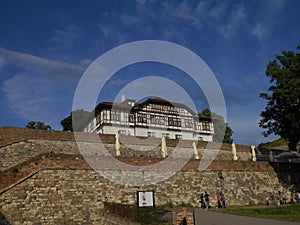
{"x": 288, "y": 174}
{"x": 3, "y": 220}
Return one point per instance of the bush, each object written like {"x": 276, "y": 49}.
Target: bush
{"x": 14, "y": 170}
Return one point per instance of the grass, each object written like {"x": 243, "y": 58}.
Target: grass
{"x": 286, "y": 213}
{"x": 275, "y": 143}
{"x": 146, "y": 214}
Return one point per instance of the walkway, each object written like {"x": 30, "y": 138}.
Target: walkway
{"x": 203, "y": 217}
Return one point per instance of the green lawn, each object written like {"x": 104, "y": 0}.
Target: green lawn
{"x": 286, "y": 213}
{"x": 272, "y": 144}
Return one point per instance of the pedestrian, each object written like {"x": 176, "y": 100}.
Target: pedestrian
{"x": 269, "y": 202}
{"x": 284, "y": 198}
{"x": 206, "y": 198}
{"x": 272, "y": 199}
{"x": 184, "y": 221}
{"x": 297, "y": 197}
{"x": 219, "y": 201}
{"x": 202, "y": 205}
{"x": 223, "y": 201}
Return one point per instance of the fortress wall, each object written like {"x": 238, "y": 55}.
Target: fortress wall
{"x": 18, "y": 152}
{"x": 75, "y": 196}
{"x": 18, "y": 145}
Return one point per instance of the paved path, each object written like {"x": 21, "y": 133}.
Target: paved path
{"x": 203, "y": 217}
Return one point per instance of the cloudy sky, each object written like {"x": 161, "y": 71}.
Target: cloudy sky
{"x": 46, "y": 47}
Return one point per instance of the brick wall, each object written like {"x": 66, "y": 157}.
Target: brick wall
{"x": 178, "y": 214}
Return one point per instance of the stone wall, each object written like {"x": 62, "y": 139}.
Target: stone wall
{"x": 61, "y": 193}
{"x": 75, "y": 196}
{"x": 18, "y": 145}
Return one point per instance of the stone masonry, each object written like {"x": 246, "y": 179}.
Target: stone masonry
{"x": 69, "y": 191}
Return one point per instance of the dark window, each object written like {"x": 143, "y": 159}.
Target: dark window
{"x": 122, "y": 132}
{"x": 131, "y": 118}
{"x": 142, "y": 119}
{"x": 151, "y": 134}
{"x": 175, "y": 122}
{"x": 178, "y": 136}
{"x": 206, "y": 125}
{"x": 160, "y": 120}
{"x": 104, "y": 114}
{"x": 188, "y": 123}
{"x": 115, "y": 116}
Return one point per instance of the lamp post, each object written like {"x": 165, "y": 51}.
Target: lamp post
{"x": 221, "y": 181}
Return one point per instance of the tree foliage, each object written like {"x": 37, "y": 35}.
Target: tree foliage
{"x": 282, "y": 113}
{"x": 38, "y": 125}
{"x": 76, "y": 121}
{"x": 223, "y": 132}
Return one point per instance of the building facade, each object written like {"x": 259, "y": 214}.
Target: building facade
{"x": 154, "y": 117}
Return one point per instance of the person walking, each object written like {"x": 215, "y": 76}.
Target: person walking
{"x": 219, "y": 201}
{"x": 202, "y": 205}
{"x": 206, "y": 198}
{"x": 223, "y": 201}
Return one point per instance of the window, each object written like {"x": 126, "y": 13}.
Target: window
{"x": 104, "y": 114}
{"x": 200, "y": 138}
{"x": 166, "y": 135}
{"x": 151, "y": 134}
{"x": 178, "y": 136}
{"x": 122, "y": 132}
{"x": 131, "y": 118}
{"x": 142, "y": 118}
{"x": 188, "y": 123}
{"x": 159, "y": 120}
{"x": 116, "y": 116}
{"x": 175, "y": 122}
{"x": 206, "y": 125}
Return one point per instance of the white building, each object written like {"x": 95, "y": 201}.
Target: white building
{"x": 154, "y": 117}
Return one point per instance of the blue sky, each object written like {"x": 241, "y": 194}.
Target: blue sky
{"x": 45, "y": 47}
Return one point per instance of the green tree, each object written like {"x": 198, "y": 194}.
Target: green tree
{"x": 80, "y": 119}
{"x": 223, "y": 132}
{"x": 282, "y": 113}
{"x": 38, "y": 125}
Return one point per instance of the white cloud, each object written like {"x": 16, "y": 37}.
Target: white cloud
{"x": 260, "y": 31}
{"x": 141, "y": 2}
{"x": 186, "y": 11}
{"x": 45, "y": 67}
{"x": 41, "y": 90}
{"x": 274, "y": 6}
{"x": 218, "y": 10}
{"x": 2, "y": 62}
{"x": 32, "y": 98}
{"x": 237, "y": 16}
{"x": 268, "y": 18}
{"x": 144, "y": 22}
{"x": 64, "y": 37}
{"x": 150, "y": 86}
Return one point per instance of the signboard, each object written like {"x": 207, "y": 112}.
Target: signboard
{"x": 145, "y": 198}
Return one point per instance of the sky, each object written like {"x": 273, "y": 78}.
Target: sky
{"x": 46, "y": 47}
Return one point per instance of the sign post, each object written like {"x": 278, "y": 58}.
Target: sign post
{"x": 145, "y": 199}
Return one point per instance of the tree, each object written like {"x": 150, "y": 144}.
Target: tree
{"x": 223, "y": 132}
{"x": 282, "y": 113}
{"x": 80, "y": 119}
{"x": 38, "y": 125}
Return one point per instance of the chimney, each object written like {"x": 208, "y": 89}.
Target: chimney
{"x": 123, "y": 97}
